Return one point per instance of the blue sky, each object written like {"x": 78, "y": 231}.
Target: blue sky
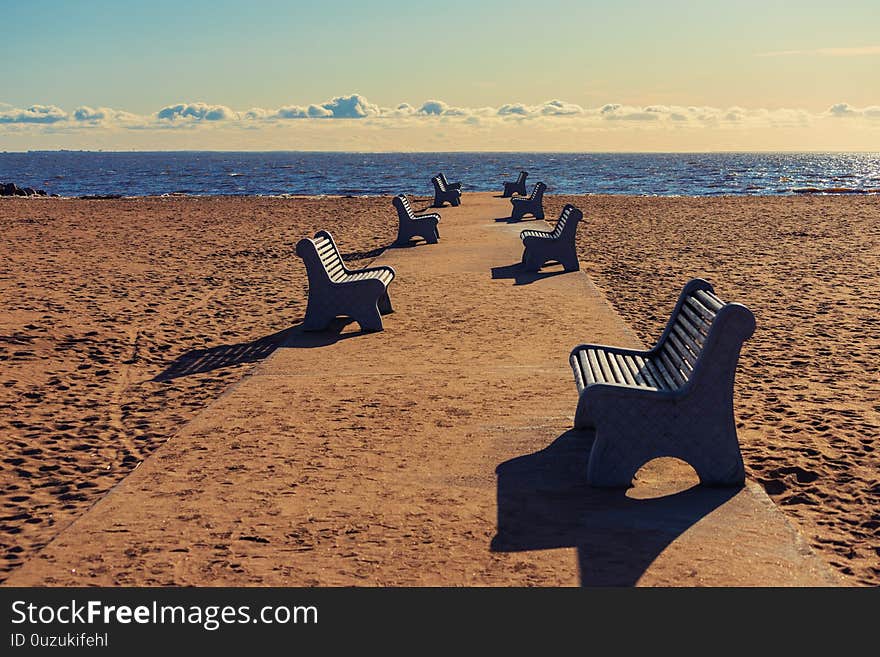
{"x": 739, "y": 73}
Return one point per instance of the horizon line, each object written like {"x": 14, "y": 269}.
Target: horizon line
{"x": 429, "y": 152}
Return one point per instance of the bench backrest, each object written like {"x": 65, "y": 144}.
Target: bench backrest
{"x": 566, "y": 225}
{"x": 522, "y": 178}
{"x": 438, "y": 183}
{"x": 322, "y": 258}
{"x": 702, "y": 338}
{"x": 537, "y": 192}
{"x": 443, "y": 179}
{"x": 404, "y": 209}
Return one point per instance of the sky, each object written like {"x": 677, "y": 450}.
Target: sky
{"x": 391, "y": 75}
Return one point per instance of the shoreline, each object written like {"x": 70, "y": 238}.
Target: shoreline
{"x": 833, "y": 192}
{"x": 128, "y": 299}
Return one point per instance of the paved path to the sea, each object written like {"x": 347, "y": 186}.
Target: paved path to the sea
{"x": 437, "y": 452}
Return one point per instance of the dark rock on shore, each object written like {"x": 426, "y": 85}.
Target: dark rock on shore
{"x": 11, "y": 189}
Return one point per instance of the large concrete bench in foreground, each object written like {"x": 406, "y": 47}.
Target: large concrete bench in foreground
{"x": 673, "y": 400}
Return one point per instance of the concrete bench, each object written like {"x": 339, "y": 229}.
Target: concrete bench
{"x": 541, "y": 246}
{"x": 531, "y": 204}
{"x": 449, "y": 185}
{"x": 442, "y": 193}
{"x": 335, "y": 290}
{"x": 518, "y": 187}
{"x": 413, "y": 225}
{"x": 673, "y": 400}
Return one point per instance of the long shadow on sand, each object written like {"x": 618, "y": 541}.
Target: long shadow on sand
{"x": 511, "y": 220}
{"x": 520, "y": 275}
{"x": 206, "y": 360}
{"x": 545, "y": 503}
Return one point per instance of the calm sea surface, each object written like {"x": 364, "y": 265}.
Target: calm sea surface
{"x": 74, "y": 173}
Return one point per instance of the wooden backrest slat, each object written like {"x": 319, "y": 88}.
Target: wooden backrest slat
{"x": 660, "y": 381}
{"x": 700, "y": 309}
{"x": 656, "y": 364}
{"x": 690, "y": 330}
{"x": 686, "y": 358}
{"x": 684, "y": 336}
{"x": 700, "y": 324}
{"x": 672, "y": 368}
{"x": 712, "y": 302}
{"x": 647, "y": 373}
{"x": 684, "y": 343}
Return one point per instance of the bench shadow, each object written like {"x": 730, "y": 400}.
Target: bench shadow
{"x": 521, "y": 276}
{"x": 544, "y": 503}
{"x": 363, "y": 255}
{"x": 199, "y": 361}
{"x": 511, "y": 220}
{"x": 409, "y": 245}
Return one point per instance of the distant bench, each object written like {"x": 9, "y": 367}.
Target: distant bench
{"x": 541, "y": 246}
{"x": 532, "y": 204}
{"x": 442, "y": 193}
{"x": 412, "y": 225}
{"x": 335, "y": 290}
{"x": 449, "y": 185}
{"x": 674, "y": 400}
{"x": 518, "y": 187}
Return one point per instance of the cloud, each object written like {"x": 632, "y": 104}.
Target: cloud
{"x": 194, "y": 122}
{"x": 34, "y": 114}
{"x": 258, "y": 114}
{"x": 433, "y": 107}
{"x": 354, "y": 106}
{"x": 196, "y": 112}
{"x": 844, "y": 110}
{"x": 95, "y": 115}
{"x": 289, "y": 112}
{"x": 617, "y": 112}
{"x": 513, "y": 109}
{"x": 439, "y": 108}
{"x": 859, "y": 51}
{"x": 560, "y": 108}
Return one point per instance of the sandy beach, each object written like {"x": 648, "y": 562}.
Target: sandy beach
{"x": 103, "y": 300}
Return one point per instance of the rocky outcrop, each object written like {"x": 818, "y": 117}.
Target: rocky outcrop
{"x": 11, "y": 189}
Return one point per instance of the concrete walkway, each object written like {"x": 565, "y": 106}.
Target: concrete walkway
{"x": 437, "y": 452}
